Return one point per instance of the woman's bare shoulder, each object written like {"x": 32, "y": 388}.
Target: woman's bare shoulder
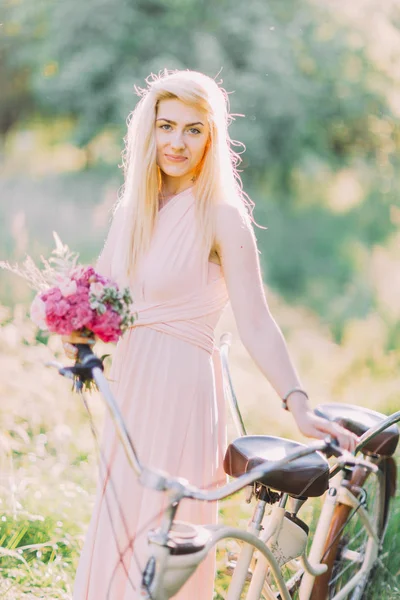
{"x": 230, "y": 223}
{"x": 230, "y": 218}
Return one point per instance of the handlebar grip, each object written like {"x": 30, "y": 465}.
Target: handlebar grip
{"x": 333, "y": 448}
{"x": 85, "y": 362}
{"x": 86, "y": 358}
{"x": 85, "y": 352}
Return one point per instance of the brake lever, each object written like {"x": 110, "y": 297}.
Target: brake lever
{"x": 55, "y": 364}
{"x": 346, "y": 458}
{"x": 81, "y": 371}
{"x": 349, "y": 460}
{"x": 333, "y": 448}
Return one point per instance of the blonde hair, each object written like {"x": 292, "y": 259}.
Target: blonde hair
{"x": 217, "y": 180}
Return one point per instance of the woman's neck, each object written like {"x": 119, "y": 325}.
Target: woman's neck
{"x": 172, "y": 186}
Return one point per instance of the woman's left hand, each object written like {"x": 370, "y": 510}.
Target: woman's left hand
{"x": 73, "y": 338}
{"x": 314, "y": 426}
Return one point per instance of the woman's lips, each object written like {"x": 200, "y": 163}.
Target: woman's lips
{"x": 175, "y": 158}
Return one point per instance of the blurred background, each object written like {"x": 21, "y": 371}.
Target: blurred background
{"x": 318, "y": 83}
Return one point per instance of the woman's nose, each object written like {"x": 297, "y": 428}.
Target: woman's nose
{"x": 177, "y": 141}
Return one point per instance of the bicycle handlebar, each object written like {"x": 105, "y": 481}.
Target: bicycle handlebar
{"x": 88, "y": 361}
{"x": 88, "y": 364}
{"x": 373, "y": 431}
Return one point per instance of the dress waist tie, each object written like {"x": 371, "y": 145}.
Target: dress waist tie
{"x": 183, "y": 317}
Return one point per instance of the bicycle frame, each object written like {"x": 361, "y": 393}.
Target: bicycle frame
{"x": 339, "y": 494}
{"x": 276, "y": 545}
{"x": 178, "y": 489}
{"x": 272, "y": 536}
{"x": 173, "y": 571}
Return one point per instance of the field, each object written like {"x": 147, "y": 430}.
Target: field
{"x": 48, "y": 454}
{"x": 313, "y": 94}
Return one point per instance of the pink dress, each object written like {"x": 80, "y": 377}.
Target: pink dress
{"x": 166, "y": 379}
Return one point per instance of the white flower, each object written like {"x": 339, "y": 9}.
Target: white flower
{"x": 58, "y": 278}
{"x": 67, "y": 287}
{"x": 38, "y": 313}
{"x": 96, "y": 289}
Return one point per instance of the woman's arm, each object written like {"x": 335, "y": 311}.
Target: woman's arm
{"x": 236, "y": 245}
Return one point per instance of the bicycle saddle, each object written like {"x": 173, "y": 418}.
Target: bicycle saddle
{"x": 358, "y": 420}
{"x": 306, "y": 476}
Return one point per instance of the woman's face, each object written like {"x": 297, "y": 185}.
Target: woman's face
{"x": 181, "y": 136}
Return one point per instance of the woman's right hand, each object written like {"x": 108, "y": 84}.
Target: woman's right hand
{"x": 314, "y": 426}
{"x": 70, "y": 350}
{"x": 74, "y": 338}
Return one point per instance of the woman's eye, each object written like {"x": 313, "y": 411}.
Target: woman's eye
{"x": 167, "y": 127}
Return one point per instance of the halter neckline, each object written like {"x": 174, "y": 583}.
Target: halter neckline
{"x": 172, "y": 199}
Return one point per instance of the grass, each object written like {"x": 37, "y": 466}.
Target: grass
{"x": 386, "y": 582}
{"x": 48, "y": 457}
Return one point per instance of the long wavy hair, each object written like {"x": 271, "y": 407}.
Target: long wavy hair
{"x": 217, "y": 179}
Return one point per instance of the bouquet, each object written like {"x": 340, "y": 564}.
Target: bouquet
{"x": 74, "y": 300}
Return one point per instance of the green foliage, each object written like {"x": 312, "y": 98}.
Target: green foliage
{"x": 36, "y": 554}
{"x": 319, "y": 103}
{"x": 32, "y": 531}
{"x": 293, "y": 68}
{"x": 316, "y": 102}
{"x": 16, "y": 98}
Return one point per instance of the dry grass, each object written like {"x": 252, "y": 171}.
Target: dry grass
{"x": 48, "y": 458}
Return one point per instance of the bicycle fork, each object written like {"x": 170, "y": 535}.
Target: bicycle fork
{"x": 269, "y": 536}
{"x": 242, "y": 566}
{"x": 287, "y": 539}
{"x": 319, "y": 540}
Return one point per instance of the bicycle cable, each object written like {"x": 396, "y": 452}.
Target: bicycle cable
{"x": 108, "y": 481}
{"x": 341, "y": 530}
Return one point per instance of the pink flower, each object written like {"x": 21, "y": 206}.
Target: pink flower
{"x": 102, "y": 279}
{"x": 53, "y": 294}
{"x": 38, "y": 312}
{"x": 65, "y": 307}
{"x": 57, "y": 309}
{"x": 81, "y": 316}
{"x": 59, "y": 325}
{"x": 67, "y": 287}
{"x": 83, "y": 274}
{"x": 107, "y": 326}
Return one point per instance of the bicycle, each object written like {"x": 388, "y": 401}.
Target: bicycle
{"x": 282, "y": 475}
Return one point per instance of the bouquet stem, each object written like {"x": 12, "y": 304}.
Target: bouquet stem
{"x": 77, "y": 337}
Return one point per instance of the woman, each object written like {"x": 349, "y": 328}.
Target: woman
{"x": 182, "y": 239}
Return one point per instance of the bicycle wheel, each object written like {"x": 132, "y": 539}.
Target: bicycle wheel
{"x": 346, "y": 550}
